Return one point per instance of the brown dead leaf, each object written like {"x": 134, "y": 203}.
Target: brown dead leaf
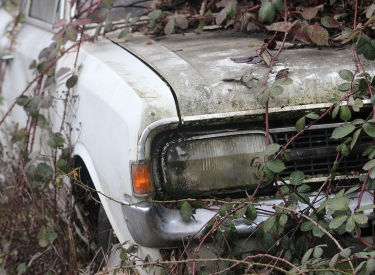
{"x": 299, "y": 31}
{"x": 282, "y": 74}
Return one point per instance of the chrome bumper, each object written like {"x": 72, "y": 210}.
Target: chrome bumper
{"x": 156, "y": 226}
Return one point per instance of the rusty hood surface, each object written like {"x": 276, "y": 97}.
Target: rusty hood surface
{"x": 205, "y": 79}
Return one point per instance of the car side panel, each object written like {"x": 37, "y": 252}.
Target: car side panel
{"x": 115, "y": 99}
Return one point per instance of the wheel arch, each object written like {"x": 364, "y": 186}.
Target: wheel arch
{"x": 82, "y": 156}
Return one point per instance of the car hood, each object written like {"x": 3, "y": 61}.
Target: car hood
{"x": 205, "y": 79}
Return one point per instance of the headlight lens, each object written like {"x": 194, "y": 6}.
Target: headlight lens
{"x": 216, "y": 162}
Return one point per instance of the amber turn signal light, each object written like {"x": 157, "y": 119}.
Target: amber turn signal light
{"x": 141, "y": 175}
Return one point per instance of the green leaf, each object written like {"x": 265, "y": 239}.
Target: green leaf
{"x": 269, "y": 223}
{"x": 351, "y": 190}
{"x": 155, "y": 14}
{"x": 108, "y": 27}
{"x": 335, "y": 111}
{"x": 366, "y": 207}
{"x": 132, "y": 249}
{"x": 350, "y": 224}
{"x": 42, "y": 66}
{"x": 303, "y": 188}
{"x": 264, "y": 97}
{"x": 346, "y": 75}
{"x": 56, "y": 141}
{"x": 336, "y": 222}
{"x": 370, "y": 265}
{"x": 134, "y": 20}
{"x": 297, "y": 178}
{"x": 300, "y": 124}
{"x": 278, "y": 4}
{"x": 272, "y": 149}
{"x": 369, "y": 128}
{"x": 43, "y": 242}
{"x": 372, "y": 99}
{"x": 225, "y": 209}
{"x": 202, "y": 23}
{"x": 267, "y": 11}
{"x": 370, "y": 164}
{"x": 63, "y": 165}
{"x": 240, "y": 213}
{"x": 251, "y": 212}
{"x": 317, "y": 232}
{"x": 123, "y": 33}
{"x": 283, "y": 219}
{"x": 345, "y": 113}
{"x": 22, "y": 100}
{"x": 360, "y": 218}
{"x": 51, "y": 236}
{"x": 355, "y": 138}
{"x": 33, "y": 65}
{"x": 72, "y": 81}
{"x": 318, "y": 251}
{"x": 333, "y": 261}
{"x": 108, "y": 3}
{"x": 21, "y": 269}
{"x": 312, "y": 116}
{"x": 71, "y": 33}
{"x": 342, "y": 131}
{"x": 359, "y": 267}
{"x": 98, "y": 30}
{"x": 345, "y": 253}
{"x": 307, "y": 226}
{"x": 306, "y": 256}
{"x": 275, "y": 165}
{"x": 226, "y": 234}
{"x": 276, "y": 90}
{"x": 186, "y": 211}
{"x": 123, "y": 254}
{"x": 344, "y": 86}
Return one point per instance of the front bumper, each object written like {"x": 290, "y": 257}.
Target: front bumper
{"x": 154, "y": 225}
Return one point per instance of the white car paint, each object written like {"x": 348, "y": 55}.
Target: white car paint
{"x": 116, "y": 98}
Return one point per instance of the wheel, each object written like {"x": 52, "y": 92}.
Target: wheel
{"x": 106, "y": 238}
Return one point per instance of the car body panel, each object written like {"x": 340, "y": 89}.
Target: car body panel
{"x": 206, "y": 81}
{"x": 115, "y": 99}
{"x": 126, "y": 95}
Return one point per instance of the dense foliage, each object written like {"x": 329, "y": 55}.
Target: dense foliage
{"x": 39, "y": 236}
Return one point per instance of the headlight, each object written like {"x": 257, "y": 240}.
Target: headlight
{"x": 215, "y": 162}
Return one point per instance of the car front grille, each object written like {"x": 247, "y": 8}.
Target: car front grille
{"x": 314, "y": 152}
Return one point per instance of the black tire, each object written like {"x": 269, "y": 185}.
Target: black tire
{"x": 106, "y": 238}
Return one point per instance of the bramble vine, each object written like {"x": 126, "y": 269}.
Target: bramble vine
{"x": 295, "y": 234}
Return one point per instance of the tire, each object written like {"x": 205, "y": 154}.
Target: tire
{"x": 106, "y": 238}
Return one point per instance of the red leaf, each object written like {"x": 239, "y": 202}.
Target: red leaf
{"x": 182, "y": 22}
{"x": 62, "y": 71}
{"x": 59, "y": 24}
{"x": 82, "y": 21}
{"x": 330, "y": 22}
{"x": 149, "y": 42}
{"x": 169, "y": 28}
{"x": 309, "y": 13}
{"x": 58, "y": 35}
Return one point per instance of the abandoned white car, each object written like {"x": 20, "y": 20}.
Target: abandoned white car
{"x": 188, "y": 117}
